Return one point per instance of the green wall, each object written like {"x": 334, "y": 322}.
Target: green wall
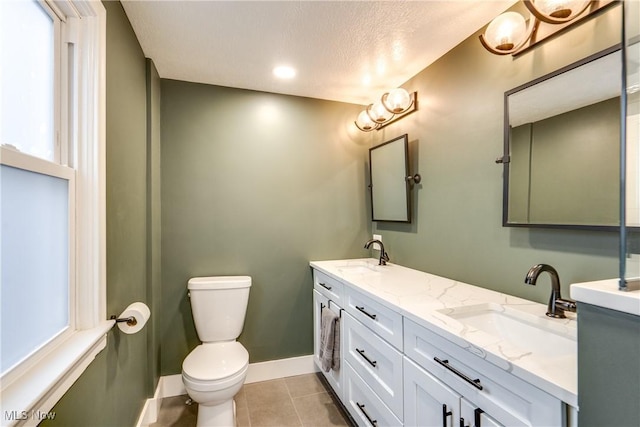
{"x": 255, "y": 184}
{"x": 112, "y": 391}
{"x": 455, "y": 137}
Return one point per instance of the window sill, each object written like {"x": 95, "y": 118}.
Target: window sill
{"x": 28, "y": 400}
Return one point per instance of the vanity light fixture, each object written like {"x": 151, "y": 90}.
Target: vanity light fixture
{"x": 509, "y": 33}
{"x": 392, "y": 106}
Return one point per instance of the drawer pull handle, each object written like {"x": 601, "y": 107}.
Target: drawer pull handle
{"x": 445, "y": 363}
{"x": 371, "y": 362}
{"x": 445, "y": 414}
{"x": 361, "y": 407}
{"x": 327, "y": 287}
{"x": 361, "y": 309}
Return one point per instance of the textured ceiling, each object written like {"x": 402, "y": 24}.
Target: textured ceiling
{"x": 350, "y": 51}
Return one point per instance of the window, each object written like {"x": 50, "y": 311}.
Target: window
{"x": 37, "y": 204}
{"x": 52, "y": 232}
{"x": 29, "y": 77}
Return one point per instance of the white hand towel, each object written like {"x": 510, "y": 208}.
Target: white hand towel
{"x": 327, "y": 338}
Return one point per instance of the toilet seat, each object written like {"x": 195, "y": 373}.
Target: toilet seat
{"x": 215, "y": 366}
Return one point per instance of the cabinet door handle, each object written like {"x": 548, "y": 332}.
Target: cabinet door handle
{"x": 361, "y": 309}
{"x": 361, "y": 407}
{"x": 445, "y": 414}
{"x": 371, "y": 362}
{"x": 445, "y": 363}
{"x": 477, "y": 417}
{"x": 462, "y": 422}
{"x": 327, "y": 287}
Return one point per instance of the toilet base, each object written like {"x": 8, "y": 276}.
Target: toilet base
{"x": 221, "y": 415}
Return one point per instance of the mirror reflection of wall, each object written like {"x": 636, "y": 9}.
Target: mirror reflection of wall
{"x": 568, "y": 172}
{"x": 563, "y": 139}
{"x": 388, "y": 165}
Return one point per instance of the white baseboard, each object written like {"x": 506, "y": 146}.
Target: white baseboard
{"x": 151, "y": 409}
{"x": 171, "y": 385}
{"x": 281, "y": 368}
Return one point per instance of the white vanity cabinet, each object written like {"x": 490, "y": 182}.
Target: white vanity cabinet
{"x": 397, "y": 367}
{"x": 325, "y": 294}
{"x": 503, "y": 398}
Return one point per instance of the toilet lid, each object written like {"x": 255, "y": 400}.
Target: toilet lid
{"x": 215, "y": 361}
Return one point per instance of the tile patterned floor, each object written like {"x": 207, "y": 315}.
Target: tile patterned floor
{"x": 294, "y": 401}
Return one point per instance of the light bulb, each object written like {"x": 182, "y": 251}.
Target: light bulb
{"x": 560, "y": 9}
{"x": 397, "y": 100}
{"x": 506, "y": 31}
{"x": 378, "y": 113}
{"x": 364, "y": 122}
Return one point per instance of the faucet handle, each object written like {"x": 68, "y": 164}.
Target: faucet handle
{"x": 566, "y": 305}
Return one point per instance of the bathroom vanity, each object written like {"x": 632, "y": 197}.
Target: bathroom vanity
{"x": 418, "y": 349}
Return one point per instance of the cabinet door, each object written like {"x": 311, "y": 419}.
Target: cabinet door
{"x": 334, "y": 377}
{"x": 319, "y": 301}
{"x": 427, "y": 401}
{"x": 471, "y": 416}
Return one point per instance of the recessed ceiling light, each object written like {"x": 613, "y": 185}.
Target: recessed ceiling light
{"x": 284, "y": 72}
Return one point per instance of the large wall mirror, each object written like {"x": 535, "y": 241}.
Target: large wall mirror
{"x": 389, "y": 185}
{"x": 562, "y": 147}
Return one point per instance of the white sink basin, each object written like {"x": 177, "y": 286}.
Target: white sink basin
{"x": 359, "y": 267}
{"x": 542, "y": 336}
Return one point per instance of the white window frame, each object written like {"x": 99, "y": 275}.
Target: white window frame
{"x": 34, "y": 387}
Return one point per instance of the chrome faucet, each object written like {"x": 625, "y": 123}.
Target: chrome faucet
{"x": 384, "y": 257}
{"x": 557, "y": 305}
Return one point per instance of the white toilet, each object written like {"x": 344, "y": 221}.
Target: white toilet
{"x": 215, "y": 370}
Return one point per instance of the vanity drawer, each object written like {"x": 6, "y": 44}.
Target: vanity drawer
{"x": 377, "y": 317}
{"x": 507, "y": 398}
{"x": 377, "y": 362}
{"x": 329, "y": 287}
{"x": 363, "y": 404}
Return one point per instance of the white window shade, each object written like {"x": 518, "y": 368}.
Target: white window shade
{"x": 34, "y": 232}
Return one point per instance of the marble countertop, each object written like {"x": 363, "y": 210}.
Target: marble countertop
{"x": 605, "y": 293}
{"x": 430, "y": 300}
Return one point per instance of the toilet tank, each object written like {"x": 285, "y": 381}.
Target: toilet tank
{"x": 219, "y": 305}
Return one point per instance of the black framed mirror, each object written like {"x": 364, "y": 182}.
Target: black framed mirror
{"x": 562, "y": 147}
{"x": 390, "y": 181}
